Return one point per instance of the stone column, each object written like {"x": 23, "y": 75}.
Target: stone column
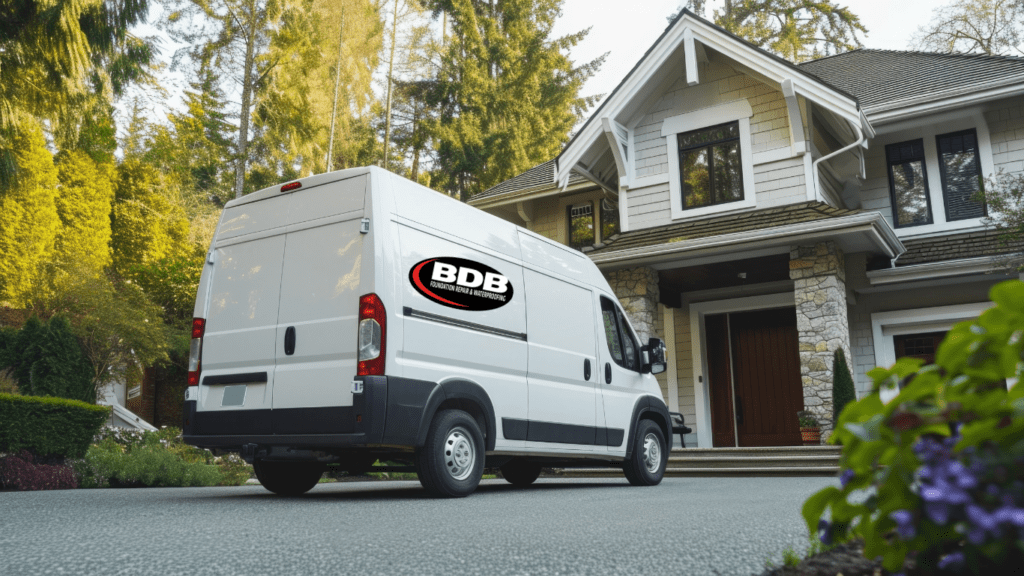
{"x": 637, "y": 290}
{"x": 819, "y": 275}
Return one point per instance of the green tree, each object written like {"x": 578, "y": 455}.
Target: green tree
{"x": 147, "y": 224}
{"x": 797, "y": 30}
{"x": 993, "y": 27}
{"x": 49, "y": 361}
{"x": 29, "y": 224}
{"x": 56, "y": 55}
{"x": 507, "y": 94}
{"x": 84, "y": 205}
{"x": 843, "y": 391}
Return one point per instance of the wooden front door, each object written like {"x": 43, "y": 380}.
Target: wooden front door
{"x": 754, "y": 378}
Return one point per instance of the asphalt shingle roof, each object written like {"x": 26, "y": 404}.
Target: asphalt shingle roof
{"x": 955, "y": 247}
{"x": 719, "y": 225}
{"x": 883, "y": 78}
{"x": 540, "y": 176}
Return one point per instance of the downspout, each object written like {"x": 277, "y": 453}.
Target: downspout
{"x": 814, "y": 166}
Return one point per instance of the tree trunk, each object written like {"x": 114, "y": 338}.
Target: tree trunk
{"x": 337, "y": 84}
{"x": 391, "y": 67}
{"x": 243, "y": 128}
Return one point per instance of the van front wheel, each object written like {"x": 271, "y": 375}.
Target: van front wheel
{"x": 451, "y": 462}
{"x": 288, "y": 478}
{"x": 646, "y": 465}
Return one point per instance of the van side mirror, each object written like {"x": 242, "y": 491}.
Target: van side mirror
{"x": 654, "y": 356}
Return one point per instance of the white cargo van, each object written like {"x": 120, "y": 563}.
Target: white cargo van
{"x": 357, "y": 316}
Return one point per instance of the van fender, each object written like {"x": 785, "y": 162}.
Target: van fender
{"x": 657, "y": 411}
{"x": 454, "y": 392}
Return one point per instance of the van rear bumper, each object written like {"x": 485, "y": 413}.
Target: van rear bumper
{"x": 387, "y": 413}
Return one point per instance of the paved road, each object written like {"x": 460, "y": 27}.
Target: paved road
{"x": 559, "y": 526}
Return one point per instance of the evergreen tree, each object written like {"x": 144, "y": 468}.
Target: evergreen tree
{"x": 797, "y": 30}
{"x": 29, "y": 224}
{"x": 507, "y": 94}
{"x": 47, "y": 360}
{"x": 84, "y": 205}
{"x": 146, "y": 225}
{"x": 843, "y": 391}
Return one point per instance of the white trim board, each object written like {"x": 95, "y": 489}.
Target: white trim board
{"x": 885, "y": 325}
{"x": 943, "y": 269}
{"x": 701, "y": 396}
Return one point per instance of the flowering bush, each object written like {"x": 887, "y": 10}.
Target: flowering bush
{"x": 21, "y": 472}
{"x": 943, "y": 462}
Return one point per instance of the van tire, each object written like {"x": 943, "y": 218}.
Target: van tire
{"x": 451, "y": 461}
{"x": 646, "y": 465}
{"x": 520, "y": 472}
{"x": 288, "y": 478}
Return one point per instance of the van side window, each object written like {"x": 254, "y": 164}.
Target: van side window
{"x": 621, "y": 344}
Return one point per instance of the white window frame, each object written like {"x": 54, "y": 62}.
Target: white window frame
{"x": 885, "y": 325}
{"x": 928, "y": 132}
{"x": 736, "y": 111}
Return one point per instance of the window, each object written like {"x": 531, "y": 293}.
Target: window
{"x": 960, "y": 168}
{"x": 621, "y": 344}
{"x": 609, "y": 219}
{"x": 710, "y": 168}
{"x": 908, "y": 184}
{"x": 581, "y": 225}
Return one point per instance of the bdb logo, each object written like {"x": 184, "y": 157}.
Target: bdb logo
{"x": 460, "y": 283}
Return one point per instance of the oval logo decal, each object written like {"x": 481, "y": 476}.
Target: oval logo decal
{"x": 460, "y": 283}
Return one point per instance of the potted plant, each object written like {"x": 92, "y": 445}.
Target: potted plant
{"x": 810, "y": 432}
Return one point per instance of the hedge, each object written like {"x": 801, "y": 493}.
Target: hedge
{"x": 48, "y": 426}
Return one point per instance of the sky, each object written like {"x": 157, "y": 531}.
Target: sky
{"x": 626, "y": 29}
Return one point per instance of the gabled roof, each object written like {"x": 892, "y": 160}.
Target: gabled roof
{"x": 889, "y": 79}
{"x": 540, "y": 177}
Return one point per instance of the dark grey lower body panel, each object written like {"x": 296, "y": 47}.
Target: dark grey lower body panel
{"x": 534, "y": 431}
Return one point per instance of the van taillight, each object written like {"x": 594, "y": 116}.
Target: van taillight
{"x": 195, "y": 350}
{"x": 373, "y": 331}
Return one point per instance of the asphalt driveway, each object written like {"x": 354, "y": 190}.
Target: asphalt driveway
{"x": 558, "y": 526}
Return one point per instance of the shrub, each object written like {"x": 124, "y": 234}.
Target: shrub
{"x": 943, "y": 462}
{"x": 843, "y": 391}
{"x": 234, "y": 470}
{"x": 48, "y": 426}
{"x": 20, "y": 472}
{"x": 110, "y": 464}
{"x": 47, "y": 360}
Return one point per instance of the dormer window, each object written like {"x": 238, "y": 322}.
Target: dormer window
{"x": 710, "y": 166}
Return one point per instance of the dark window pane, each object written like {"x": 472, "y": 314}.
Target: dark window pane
{"x": 611, "y": 331}
{"x": 958, "y": 161}
{"x": 630, "y": 349}
{"x": 908, "y": 184}
{"x": 696, "y": 178}
{"x": 609, "y": 219}
{"x": 581, "y": 225}
{"x": 728, "y": 173}
{"x": 709, "y": 135}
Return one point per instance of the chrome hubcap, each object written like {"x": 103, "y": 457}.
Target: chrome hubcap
{"x": 459, "y": 454}
{"x": 652, "y": 453}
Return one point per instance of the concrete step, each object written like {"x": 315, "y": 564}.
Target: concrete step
{"x": 705, "y": 462}
{"x": 821, "y": 471}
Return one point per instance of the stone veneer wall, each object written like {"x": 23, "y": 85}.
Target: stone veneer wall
{"x": 819, "y": 275}
{"x": 637, "y": 290}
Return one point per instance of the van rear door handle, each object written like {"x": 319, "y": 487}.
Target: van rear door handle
{"x": 586, "y": 369}
{"x": 607, "y": 373}
{"x": 289, "y": 340}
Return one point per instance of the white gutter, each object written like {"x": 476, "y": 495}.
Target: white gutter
{"x": 867, "y": 222}
{"x": 931, "y": 270}
{"x": 814, "y": 166}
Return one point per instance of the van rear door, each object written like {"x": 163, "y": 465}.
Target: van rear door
{"x": 241, "y": 312}
{"x": 325, "y": 271}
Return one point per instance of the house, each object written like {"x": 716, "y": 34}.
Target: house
{"x": 758, "y": 215}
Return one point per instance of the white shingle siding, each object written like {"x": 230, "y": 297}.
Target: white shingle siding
{"x": 1006, "y": 127}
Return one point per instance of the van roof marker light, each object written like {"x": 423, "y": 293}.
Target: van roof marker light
{"x": 291, "y": 186}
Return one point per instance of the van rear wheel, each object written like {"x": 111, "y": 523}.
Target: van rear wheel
{"x": 646, "y": 465}
{"x": 451, "y": 462}
{"x": 520, "y": 472}
{"x": 288, "y": 478}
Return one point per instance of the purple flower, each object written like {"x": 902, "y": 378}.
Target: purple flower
{"x": 938, "y": 511}
{"x": 1010, "y": 515}
{"x": 952, "y": 561}
{"x": 977, "y": 516}
{"x": 846, "y": 476}
{"x": 825, "y": 529}
{"x": 904, "y": 523}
